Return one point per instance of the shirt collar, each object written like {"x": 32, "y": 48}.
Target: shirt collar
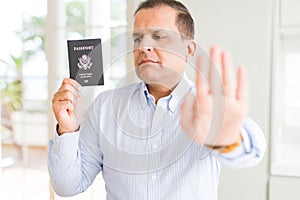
{"x": 182, "y": 88}
{"x": 145, "y": 95}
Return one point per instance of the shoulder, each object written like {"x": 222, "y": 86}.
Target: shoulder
{"x": 118, "y": 93}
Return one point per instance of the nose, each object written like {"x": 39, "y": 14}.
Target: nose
{"x": 147, "y": 44}
{"x": 147, "y": 49}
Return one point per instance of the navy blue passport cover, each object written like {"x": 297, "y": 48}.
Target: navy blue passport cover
{"x": 85, "y": 61}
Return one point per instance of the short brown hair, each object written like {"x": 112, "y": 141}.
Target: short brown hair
{"x": 184, "y": 21}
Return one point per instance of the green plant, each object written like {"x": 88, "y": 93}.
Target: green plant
{"x": 11, "y": 95}
{"x": 11, "y": 88}
{"x": 75, "y": 11}
{"x": 32, "y": 37}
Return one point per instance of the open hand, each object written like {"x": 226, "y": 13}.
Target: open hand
{"x": 215, "y": 116}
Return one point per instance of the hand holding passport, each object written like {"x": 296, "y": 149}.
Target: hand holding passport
{"x": 85, "y": 61}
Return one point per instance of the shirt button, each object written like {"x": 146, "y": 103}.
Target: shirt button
{"x": 153, "y": 177}
{"x": 158, "y": 117}
{"x": 57, "y": 140}
{"x": 154, "y": 146}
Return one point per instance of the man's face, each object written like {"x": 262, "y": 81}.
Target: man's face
{"x": 160, "y": 52}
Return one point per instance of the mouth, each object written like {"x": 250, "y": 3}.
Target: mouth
{"x": 147, "y": 61}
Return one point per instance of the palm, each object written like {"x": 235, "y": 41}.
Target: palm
{"x": 215, "y": 116}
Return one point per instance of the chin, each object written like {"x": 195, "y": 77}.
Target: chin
{"x": 147, "y": 77}
{"x": 146, "y": 72}
{"x": 157, "y": 80}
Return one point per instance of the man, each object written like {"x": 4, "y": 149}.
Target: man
{"x": 136, "y": 135}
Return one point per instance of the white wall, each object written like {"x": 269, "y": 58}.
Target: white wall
{"x": 244, "y": 28}
{"x": 284, "y": 188}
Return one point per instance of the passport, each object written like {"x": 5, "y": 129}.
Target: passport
{"x": 85, "y": 61}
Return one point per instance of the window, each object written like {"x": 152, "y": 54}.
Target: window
{"x": 80, "y": 19}
{"x": 23, "y": 57}
{"x": 43, "y": 28}
{"x": 286, "y": 93}
{"x": 83, "y": 19}
{"x": 23, "y": 88}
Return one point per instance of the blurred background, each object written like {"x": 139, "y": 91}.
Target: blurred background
{"x": 263, "y": 35}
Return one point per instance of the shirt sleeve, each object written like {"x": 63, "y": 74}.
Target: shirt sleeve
{"x": 251, "y": 150}
{"x": 75, "y": 159}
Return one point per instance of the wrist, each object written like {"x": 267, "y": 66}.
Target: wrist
{"x": 62, "y": 131}
{"x": 227, "y": 148}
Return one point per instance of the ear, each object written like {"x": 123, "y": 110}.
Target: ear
{"x": 191, "y": 49}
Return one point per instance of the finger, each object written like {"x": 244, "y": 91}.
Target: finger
{"x": 215, "y": 80}
{"x": 242, "y": 85}
{"x": 73, "y": 83}
{"x": 64, "y": 96}
{"x": 186, "y": 109}
{"x": 201, "y": 87}
{"x": 227, "y": 74}
{"x": 68, "y": 87}
{"x": 63, "y": 106}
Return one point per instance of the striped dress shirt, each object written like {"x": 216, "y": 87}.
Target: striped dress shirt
{"x": 141, "y": 150}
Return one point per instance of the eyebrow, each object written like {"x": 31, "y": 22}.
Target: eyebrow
{"x": 136, "y": 34}
{"x": 159, "y": 31}
{"x": 153, "y": 30}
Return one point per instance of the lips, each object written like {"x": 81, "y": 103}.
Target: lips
{"x": 147, "y": 61}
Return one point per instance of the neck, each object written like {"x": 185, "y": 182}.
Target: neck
{"x": 159, "y": 91}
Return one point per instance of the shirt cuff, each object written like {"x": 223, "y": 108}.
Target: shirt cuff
{"x": 65, "y": 145}
{"x": 244, "y": 148}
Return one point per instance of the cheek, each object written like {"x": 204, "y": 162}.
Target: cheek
{"x": 172, "y": 60}
{"x": 136, "y": 58}
{"x": 177, "y": 48}
{"x": 175, "y": 53}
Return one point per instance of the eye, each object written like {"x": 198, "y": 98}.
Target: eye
{"x": 159, "y": 37}
{"x": 137, "y": 40}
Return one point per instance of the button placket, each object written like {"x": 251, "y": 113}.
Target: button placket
{"x": 154, "y": 146}
{"x": 154, "y": 177}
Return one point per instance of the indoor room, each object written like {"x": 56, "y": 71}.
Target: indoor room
{"x": 262, "y": 36}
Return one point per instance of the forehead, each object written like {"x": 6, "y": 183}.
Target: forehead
{"x": 162, "y": 17}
